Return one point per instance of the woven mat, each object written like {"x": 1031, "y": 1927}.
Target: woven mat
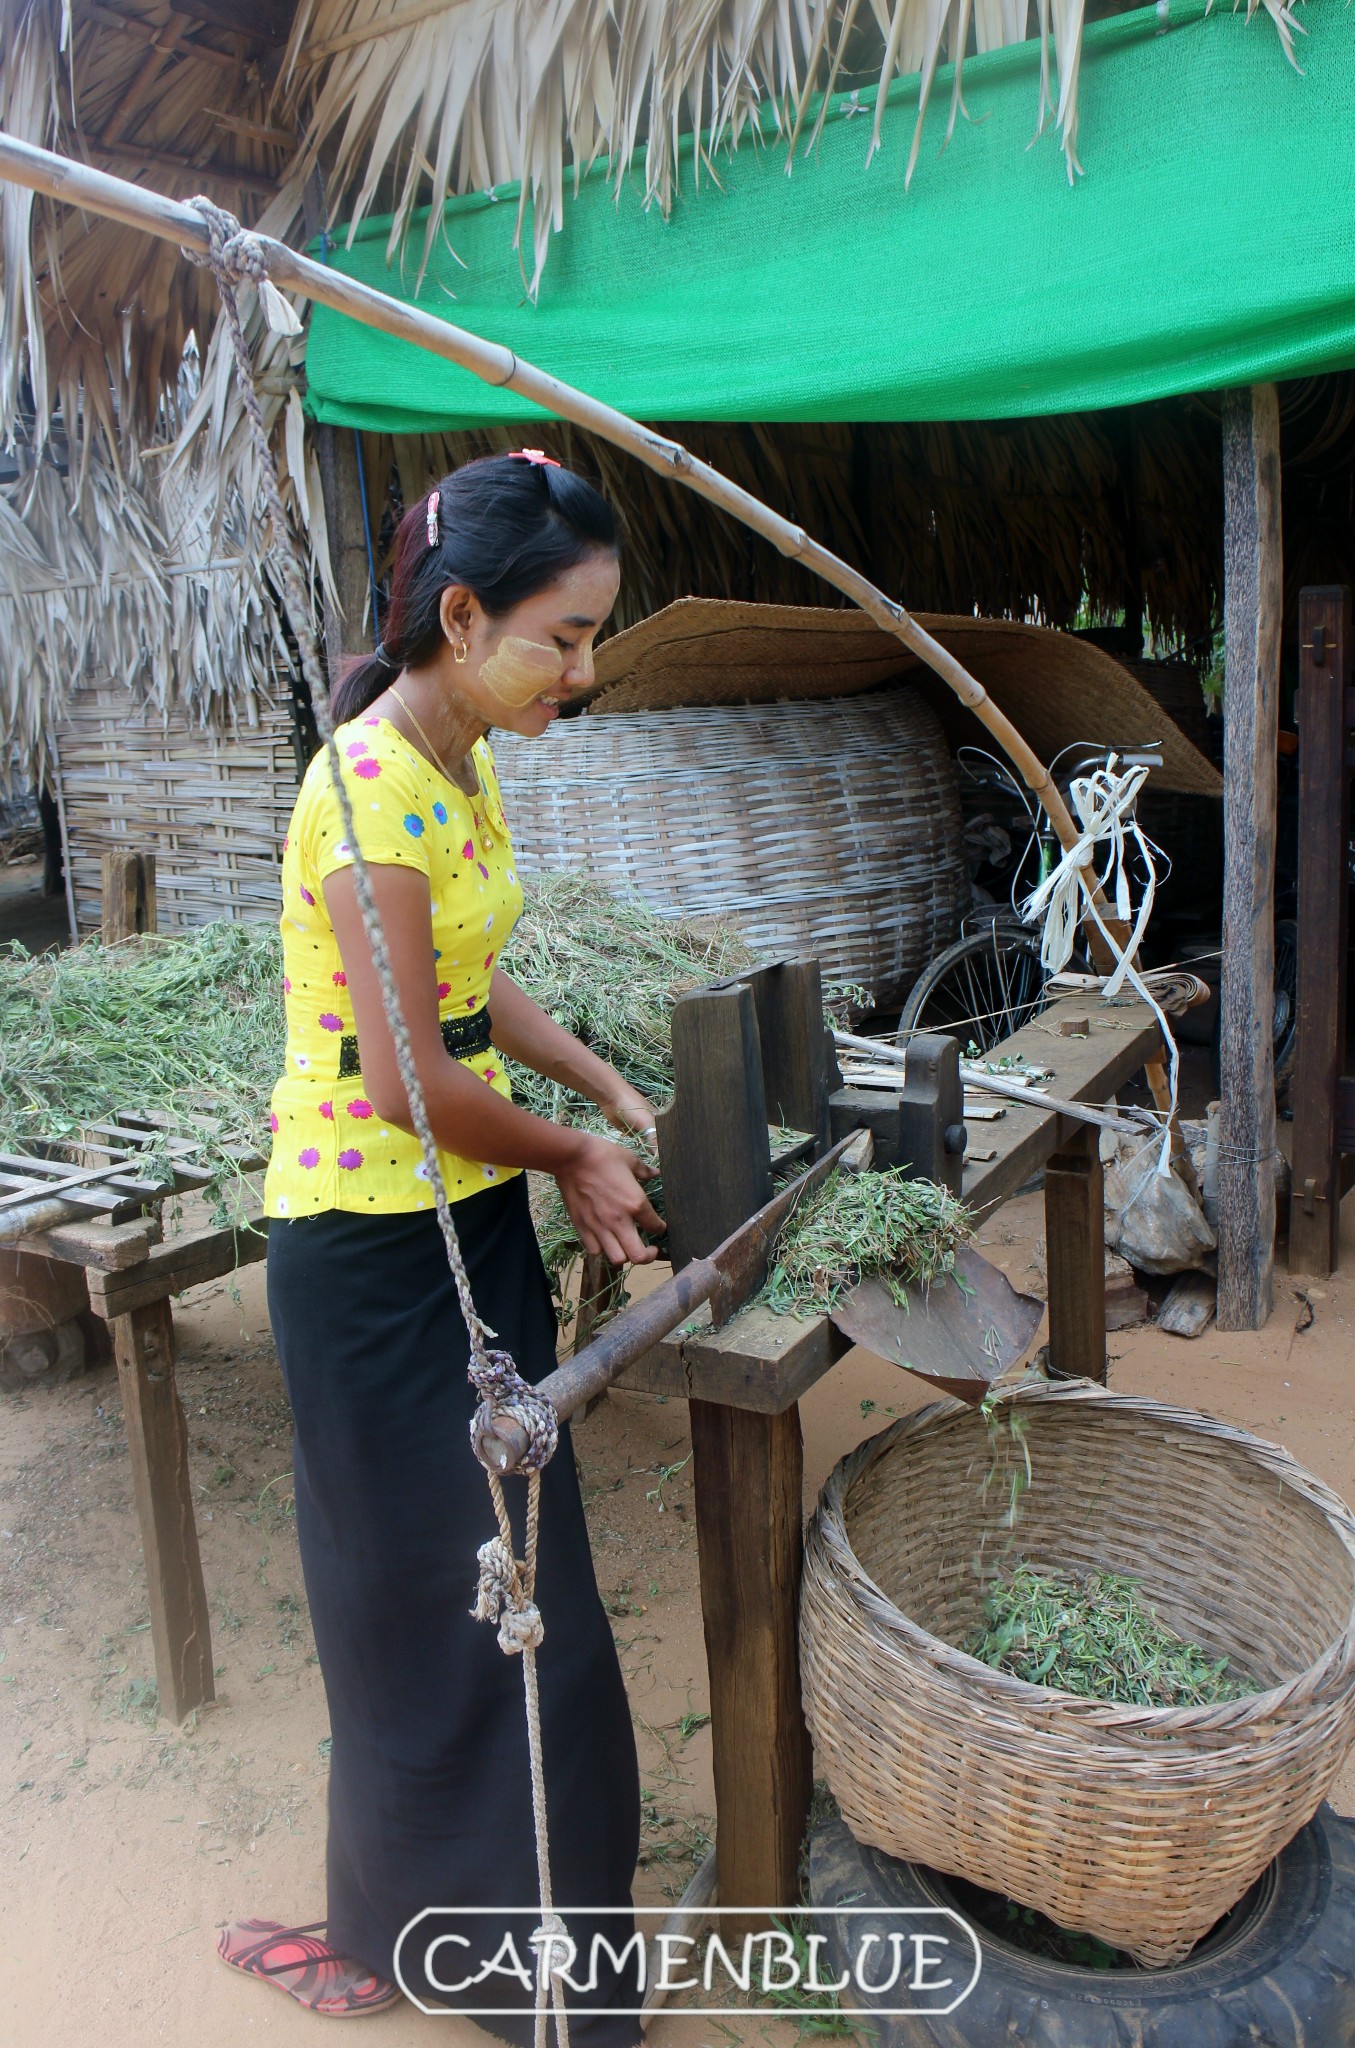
{"x": 1055, "y": 688}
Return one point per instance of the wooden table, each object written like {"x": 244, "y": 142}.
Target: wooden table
{"x": 131, "y": 1276}
{"x": 744, "y": 1381}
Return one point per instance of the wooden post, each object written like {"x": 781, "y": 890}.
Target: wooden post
{"x": 1075, "y": 1247}
{"x": 747, "y": 1467}
{"x": 336, "y": 458}
{"x": 157, "y": 1437}
{"x": 128, "y": 895}
{"x": 1326, "y": 653}
{"x": 1253, "y": 603}
{"x": 749, "y": 1478}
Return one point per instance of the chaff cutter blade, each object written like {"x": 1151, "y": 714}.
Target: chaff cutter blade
{"x": 961, "y": 1333}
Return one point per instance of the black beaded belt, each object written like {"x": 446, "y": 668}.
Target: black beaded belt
{"x": 462, "y": 1037}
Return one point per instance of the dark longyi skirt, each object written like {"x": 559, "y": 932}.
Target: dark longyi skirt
{"x": 429, "y": 1791}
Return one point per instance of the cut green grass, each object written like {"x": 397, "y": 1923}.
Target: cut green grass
{"x": 857, "y": 1224}
{"x": 1098, "y": 1636}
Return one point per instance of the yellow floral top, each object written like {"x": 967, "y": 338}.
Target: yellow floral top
{"x": 330, "y": 1150}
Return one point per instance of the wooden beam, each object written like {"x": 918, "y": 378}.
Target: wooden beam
{"x": 154, "y": 33}
{"x": 141, "y": 156}
{"x": 1075, "y": 1246}
{"x": 1326, "y": 654}
{"x": 336, "y": 458}
{"x": 1252, "y": 608}
{"x": 185, "y": 1261}
{"x": 157, "y": 1437}
{"x": 747, "y": 1468}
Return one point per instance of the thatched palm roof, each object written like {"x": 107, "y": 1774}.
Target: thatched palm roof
{"x": 298, "y": 113}
{"x": 396, "y": 103}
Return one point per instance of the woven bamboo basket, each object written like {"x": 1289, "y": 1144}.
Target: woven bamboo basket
{"x": 825, "y": 826}
{"x": 1142, "y": 1826}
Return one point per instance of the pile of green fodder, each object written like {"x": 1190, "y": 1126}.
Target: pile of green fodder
{"x": 610, "y": 970}
{"x": 1098, "y": 1636}
{"x": 191, "y": 1026}
{"x": 854, "y": 1225}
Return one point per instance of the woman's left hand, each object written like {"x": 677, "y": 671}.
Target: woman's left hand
{"x": 627, "y": 1110}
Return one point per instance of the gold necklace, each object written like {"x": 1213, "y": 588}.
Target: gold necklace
{"x": 438, "y": 762}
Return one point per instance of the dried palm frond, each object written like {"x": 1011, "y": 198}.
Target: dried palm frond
{"x": 131, "y": 574}
{"x": 419, "y": 99}
{"x": 1019, "y": 518}
{"x": 96, "y": 315}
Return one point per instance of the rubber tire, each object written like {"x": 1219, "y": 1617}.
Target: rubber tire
{"x": 1282, "y": 1977}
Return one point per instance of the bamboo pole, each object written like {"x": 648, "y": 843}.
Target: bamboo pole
{"x": 76, "y": 184}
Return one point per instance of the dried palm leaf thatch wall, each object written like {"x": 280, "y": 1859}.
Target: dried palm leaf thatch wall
{"x": 1020, "y": 519}
{"x": 145, "y": 578}
{"x": 1069, "y": 520}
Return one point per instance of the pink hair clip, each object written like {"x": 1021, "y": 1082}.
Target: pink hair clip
{"x": 433, "y": 504}
{"x": 536, "y": 456}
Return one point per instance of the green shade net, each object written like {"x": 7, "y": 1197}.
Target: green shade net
{"x": 1211, "y": 242}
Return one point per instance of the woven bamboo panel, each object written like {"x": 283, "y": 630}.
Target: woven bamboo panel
{"x": 212, "y": 806}
{"x": 1140, "y": 1825}
{"x": 830, "y": 826}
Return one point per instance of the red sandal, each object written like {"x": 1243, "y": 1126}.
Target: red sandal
{"x": 310, "y": 1971}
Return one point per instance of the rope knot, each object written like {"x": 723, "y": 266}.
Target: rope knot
{"x": 235, "y": 256}
{"x": 500, "y": 1596}
{"x": 504, "y": 1394}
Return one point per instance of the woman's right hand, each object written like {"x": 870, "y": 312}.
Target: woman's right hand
{"x": 603, "y": 1190}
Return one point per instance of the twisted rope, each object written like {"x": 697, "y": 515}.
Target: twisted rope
{"x": 505, "y": 1594}
{"x": 505, "y": 1587}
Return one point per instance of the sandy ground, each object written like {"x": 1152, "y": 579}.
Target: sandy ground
{"x": 125, "y": 1843}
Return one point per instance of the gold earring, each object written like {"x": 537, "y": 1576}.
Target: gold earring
{"x": 459, "y": 652}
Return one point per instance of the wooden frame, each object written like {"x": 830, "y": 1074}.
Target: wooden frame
{"x": 744, "y": 1380}
{"x": 1323, "y": 1094}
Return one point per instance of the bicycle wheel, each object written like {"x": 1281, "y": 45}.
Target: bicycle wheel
{"x": 980, "y": 990}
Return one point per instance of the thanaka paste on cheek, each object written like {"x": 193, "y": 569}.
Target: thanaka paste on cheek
{"x": 519, "y": 670}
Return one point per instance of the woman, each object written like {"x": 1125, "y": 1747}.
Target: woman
{"x": 502, "y": 580}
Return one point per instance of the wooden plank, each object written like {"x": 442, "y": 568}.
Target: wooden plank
{"x": 796, "y": 1049}
{"x": 346, "y": 630}
{"x": 1252, "y": 609}
{"x": 748, "y": 1509}
{"x": 757, "y": 1360}
{"x": 128, "y": 895}
{"x": 1326, "y": 652}
{"x": 1189, "y": 1308}
{"x": 110, "y": 1247}
{"x": 1076, "y": 1253}
{"x": 714, "y": 1150}
{"x": 186, "y": 1261}
{"x": 1123, "y": 1036}
{"x": 157, "y": 1437}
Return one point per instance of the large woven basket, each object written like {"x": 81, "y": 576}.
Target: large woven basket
{"x": 832, "y": 827}
{"x": 1142, "y": 1826}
